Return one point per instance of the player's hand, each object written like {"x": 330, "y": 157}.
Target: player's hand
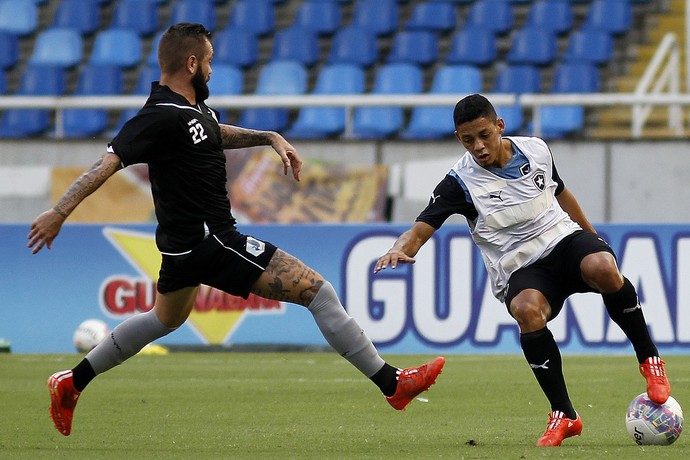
{"x": 44, "y": 229}
{"x": 288, "y": 155}
{"x": 392, "y": 258}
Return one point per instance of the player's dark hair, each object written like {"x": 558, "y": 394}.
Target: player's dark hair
{"x": 472, "y": 107}
{"x": 179, "y": 42}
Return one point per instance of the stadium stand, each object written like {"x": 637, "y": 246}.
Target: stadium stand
{"x": 370, "y": 34}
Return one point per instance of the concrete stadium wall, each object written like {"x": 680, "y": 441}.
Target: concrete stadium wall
{"x": 615, "y": 182}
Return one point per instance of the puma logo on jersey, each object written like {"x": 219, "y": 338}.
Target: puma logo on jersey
{"x": 433, "y": 198}
{"x": 496, "y": 195}
{"x": 540, "y": 366}
{"x": 632, "y": 309}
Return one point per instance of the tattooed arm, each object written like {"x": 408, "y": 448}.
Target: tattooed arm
{"x": 234, "y": 137}
{"x": 47, "y": 225}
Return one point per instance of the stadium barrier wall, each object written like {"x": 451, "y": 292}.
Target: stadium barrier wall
{"x": 442, "y": 304}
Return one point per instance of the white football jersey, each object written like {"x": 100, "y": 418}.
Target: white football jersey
{"x": 519, "y": 220}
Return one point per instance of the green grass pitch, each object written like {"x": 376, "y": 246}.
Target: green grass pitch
{"x": 315, "y": 405}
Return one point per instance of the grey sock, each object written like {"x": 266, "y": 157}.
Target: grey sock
{"x": 126, "y": 340}
{"x": 343, "y": 333}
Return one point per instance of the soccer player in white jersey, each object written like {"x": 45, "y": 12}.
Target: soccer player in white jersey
{"x": 538, "y": 248}
{"x": 180, "y": 139}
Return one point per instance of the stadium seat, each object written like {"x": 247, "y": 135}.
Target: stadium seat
{"x": 324, "y": 18}
{"x": 82, "y": 15}
{"x": 3, "y": 83}
{"x": 378, "y": 16}
{"x": 494, "y": 15}
{"x": 613, "y": 16}
{"x": 19, "y": 17}
{"x": 414, "y": 46}
{"x": 516, "y": 79}
{"x": 433, "y": 16}
{"x": 435, "y": 122}
{"x": 553, "y": 15}
{"x": 321, "y": 122}
{"x": 147, "y": 75}
{"x": 152, "y": 59}
{"x": 92, "y": 80}
{"x": 119, "y": 47}
{"x": 275, "y": 78}
{"x": 236, "y": 46}
{"x": 37, "y": 80}
{"x": 198, "y": 11}
{"x": 589, "y": 45}
{"x": 257, "y": 16}
{"x": 138, "y": 15}
{"x": 58, "y": 46}
{"x": 381, "y": 122}
{"x": 472, "y": 45}
{"x": 226, "y": 80}
{"x": 9, "y": 50}
{"x": 354, "y": 45}
{"x": 557, "y": 121}
{"x": 532, "y": 45}
{"x": 296, "y": 43}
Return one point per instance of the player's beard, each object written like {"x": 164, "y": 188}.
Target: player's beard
{"x": 201, "y": 91}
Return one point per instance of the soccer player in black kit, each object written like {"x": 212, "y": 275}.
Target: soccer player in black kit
{"x": 182, "y": 141}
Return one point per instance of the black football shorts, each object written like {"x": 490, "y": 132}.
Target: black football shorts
{"x": 557, "y": 275}
{"x": 231, "y": 264}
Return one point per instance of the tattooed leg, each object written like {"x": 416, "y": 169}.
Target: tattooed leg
{"x": 287, "y": 278}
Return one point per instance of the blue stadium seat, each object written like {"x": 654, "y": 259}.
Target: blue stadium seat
{"x": 198, "y": 11}
{"x": 516, "y": 79}
{"x": 257, "y": 16}
{"x": 9, "y": 50}
{"x": 93, "y": 80}
{"x": 435, "y": 122}
{"x": 589, "y": 45}
{"x": 553, "y": 15}
{"x": 472, "y": 45}
{"x": 275, "y": 78}
{"x": 382, "y": 122}
{"x": 321, "y": 122}
{"x": 236, "y": 46}
{"x": 226, "y": 80}
{"x": 37, "y": 80}
{"x": 379, "y": 16}
{"x": 613, "y": 16}
{"x": 82, "y": 15}
{"x": 138, "y": 15}
{"x": 3, "y": 83}
{"x": 557, "y": 121}
{"x": 324, "y": 18}
{"x": 532, "y": 45}
{"x": 296, "y": 43}
{"x": 433, "y": 16}
{"x": 354, "y": 45}
{"x": 494, "y": 15}
{"x": 152, "y": 59}
{"x": 414, "y": 46}
{"x": 58, "y": 46}
{"x": 19, "y": 17}
{"x": 119, "y": 47}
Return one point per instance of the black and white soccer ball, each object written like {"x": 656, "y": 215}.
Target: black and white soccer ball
{"x": 649, "y": 423}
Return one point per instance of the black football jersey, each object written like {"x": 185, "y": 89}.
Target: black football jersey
{"x": 181, "y": 144}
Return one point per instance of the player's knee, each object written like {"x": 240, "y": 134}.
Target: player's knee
{"x": 600, "y": 271}
{"x": 530, "y": 315}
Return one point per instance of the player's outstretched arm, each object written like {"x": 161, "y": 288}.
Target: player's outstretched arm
{"x": 234, "y": 137}
{"x": 47, "y": 225}
{"x": 405, "y": 247}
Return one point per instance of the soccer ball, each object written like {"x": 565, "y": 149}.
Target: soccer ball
{"x": 89, "y": 334}
{"x": 649, "y": 423}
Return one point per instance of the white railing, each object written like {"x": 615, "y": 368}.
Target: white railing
{"x": 662, "y": 74}
{"x": 532, "y": 102}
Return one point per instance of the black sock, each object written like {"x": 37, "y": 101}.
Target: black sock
{"x": 82, "y": 374}
{"x": 386, "y": 379}
{"x": 624, "y": 309}
{"x": 544, "y": 358}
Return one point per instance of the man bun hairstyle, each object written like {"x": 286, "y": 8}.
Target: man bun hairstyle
{"x": 472, "y": 107}
{"x": 180, "y": 41}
